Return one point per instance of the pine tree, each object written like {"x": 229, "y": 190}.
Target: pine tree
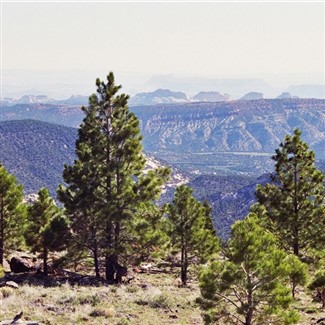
{"x": 298, "y": 273}
{"x": 47, "y": 229}
{"x": 12, "y": 217}
{"x": 107, "y": 183}
{"x": 294, "y": 202}
{"x": 251, "y": 283}
{"x": 81, "y": 198}
{"x": 149, "y": 236}
{"x": 191, "y": 229}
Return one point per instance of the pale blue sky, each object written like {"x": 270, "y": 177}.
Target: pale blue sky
{"x": 278, "y": 41}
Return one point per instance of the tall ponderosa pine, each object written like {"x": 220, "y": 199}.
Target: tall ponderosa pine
{"x": 82, "y": 198}
{"x": 47, "y": 229}
{"x": 11, "y": 210}
{"x": 106, "y": 182}
{"x": 191, "y": 229}
{"x": 250, "y": 285}
{"x": 294, "y": 203}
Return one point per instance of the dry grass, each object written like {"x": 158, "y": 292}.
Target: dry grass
{"x": 150, "y": 299}
{"x": 309, "y": 310}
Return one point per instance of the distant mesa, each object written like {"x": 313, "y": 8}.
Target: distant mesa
{"x": 285, "y": 95}
{"x": 211, "y": 96}
{"x": 166, "y": 96}
{"x": 31, "y": 99}
{"x": 252, "y": 96}
{"x": 159, "y": 96}
{"x": 42, "y": 99}
{"x": 75, "y": 100}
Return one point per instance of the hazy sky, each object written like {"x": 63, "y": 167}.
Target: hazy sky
{"x": 41, "y": 41}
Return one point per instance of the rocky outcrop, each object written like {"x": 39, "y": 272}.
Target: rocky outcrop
{"x": 21, "y": 265}
{"x": 256, "y": 126}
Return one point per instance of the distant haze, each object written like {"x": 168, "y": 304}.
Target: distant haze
{"x": 59, "y": 49}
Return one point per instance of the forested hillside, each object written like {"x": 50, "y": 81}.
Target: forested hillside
{"x": 225, "y": 138}
{"x": 36, "y": 152}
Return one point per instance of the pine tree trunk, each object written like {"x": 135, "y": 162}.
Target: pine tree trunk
{"x": 110, "y": 268}
{"x": 249, "y": 314}
{"x": 96, "y": 264}
{"x": 45, "y": 267}
{"x": 1, "y": 233}
{"x": 250, "y": 303}
{"x": 184, "y": 266}
{"x": 1, "y": 249}
{"x": 296, "y": 247}
{"x": 296, "y": 211}
{"x": 249, "y": 318}
{"x": 110, "y": 259}
{"x": 293, "y": 290}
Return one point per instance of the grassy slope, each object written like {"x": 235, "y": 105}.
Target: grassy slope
{"x": 150, "y": 299}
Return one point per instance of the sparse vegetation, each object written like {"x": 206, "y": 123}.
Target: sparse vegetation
{"x": 111, "y": 203}
{"x": 156, "y": 300}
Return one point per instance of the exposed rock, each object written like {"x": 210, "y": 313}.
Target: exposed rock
{"x": 30, "y": 198}
{"x": 21, "y": 265}
{"x": 6, "y": 266}
{"x": 235, "y": 126}
{"x": 12, "y": 284}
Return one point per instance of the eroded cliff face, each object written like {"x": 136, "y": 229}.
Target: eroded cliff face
{"x": 238, "y": 126}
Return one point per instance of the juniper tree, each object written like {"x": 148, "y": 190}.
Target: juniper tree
{"x": 47, "y": 229}
{"x": 250, "y": 284}
{"x": 294, "y": 202}
{"x": 12, "y": 214}
{"x": 191, "y": 229}
{"x": 107, "y": 182}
